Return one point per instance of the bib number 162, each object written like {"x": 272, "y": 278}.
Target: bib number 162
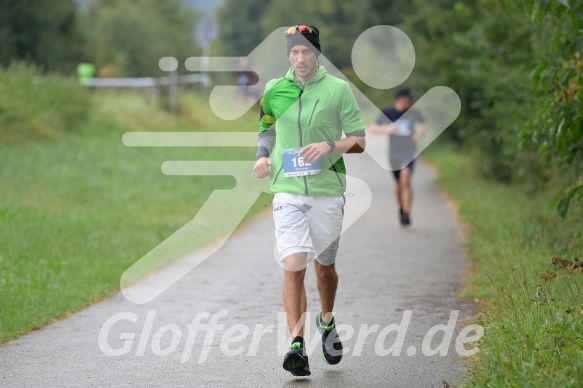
{"x": 299, "y": 162}
{"x": 296, "y": 165}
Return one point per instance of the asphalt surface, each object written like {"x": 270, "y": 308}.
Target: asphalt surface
{"x": 386, "y": 273}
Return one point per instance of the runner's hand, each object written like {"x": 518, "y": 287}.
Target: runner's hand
{"x": 314, "y": 151}
{"x": 261, "y": 168}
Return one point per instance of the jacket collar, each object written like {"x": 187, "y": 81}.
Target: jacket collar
{"x": 306, "y": 84}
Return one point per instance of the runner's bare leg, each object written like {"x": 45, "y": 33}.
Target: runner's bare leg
{"x": 294, "y": 293}
{"x": 327, "y": 281}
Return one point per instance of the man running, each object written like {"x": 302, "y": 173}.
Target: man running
{"x": 399, "y": 122}
{"x": 303, "y": 116}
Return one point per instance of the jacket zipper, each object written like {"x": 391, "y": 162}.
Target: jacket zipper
{"x": 336, "y": 171}
{"x": 313, "y": 110}
{"x": 301, "y": 139}
{"x": 276, "y": 175}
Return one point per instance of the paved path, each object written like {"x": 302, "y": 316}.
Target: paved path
{"x": 384, "y": 272}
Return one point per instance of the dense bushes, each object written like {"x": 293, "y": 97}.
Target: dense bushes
{"x": 34, "y": 106}
{"x": 517, "y": 66}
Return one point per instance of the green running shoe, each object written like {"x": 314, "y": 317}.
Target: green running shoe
{"x": 296, "y": 361}
{"x": 331, "y": 345}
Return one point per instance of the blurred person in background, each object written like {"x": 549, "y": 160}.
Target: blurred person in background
{"x": 399, "y": 121}
{"x": 85, "y": 71}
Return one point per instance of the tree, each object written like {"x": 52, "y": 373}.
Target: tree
{"x": 129, "y": 37}
{"x": 240, "y": 29}
{"x": 43, "y": 33}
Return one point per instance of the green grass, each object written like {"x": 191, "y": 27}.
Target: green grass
{"x": 78, "y": 210}
{"x": 532, "y": 311}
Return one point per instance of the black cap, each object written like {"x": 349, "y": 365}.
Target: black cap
{"x": 404, "y": 92}
{"x": 305, "y": 38}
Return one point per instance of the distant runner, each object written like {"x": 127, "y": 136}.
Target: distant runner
{"x": 85, "y": 71}
{"x": 399, "y": 122}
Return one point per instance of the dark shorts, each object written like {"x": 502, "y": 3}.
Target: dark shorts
{"x": 397, "y": 173}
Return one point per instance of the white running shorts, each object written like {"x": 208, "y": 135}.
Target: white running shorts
{"x": 310, "y": 224}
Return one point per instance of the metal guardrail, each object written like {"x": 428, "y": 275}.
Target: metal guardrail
{"x": 147, "y": 82}
{"x": 154, "y": 83}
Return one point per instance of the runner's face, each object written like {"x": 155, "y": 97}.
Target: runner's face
{"x": 405, "y": 102}
{"x": 304, "y": 62}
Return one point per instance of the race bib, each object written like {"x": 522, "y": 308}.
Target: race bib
{"x": 294, "y": 165}
{"x": 404, "y": 128}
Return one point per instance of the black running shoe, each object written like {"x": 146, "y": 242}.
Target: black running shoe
{"x": 296, "y": 361}
{"x": 404, "y": 218}
{"x": 331, "y": 345}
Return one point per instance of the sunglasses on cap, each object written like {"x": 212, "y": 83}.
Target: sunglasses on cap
{"x": 302, "y": 29}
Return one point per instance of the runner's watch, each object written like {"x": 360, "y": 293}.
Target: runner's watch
{"x": 332, "y": 144}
